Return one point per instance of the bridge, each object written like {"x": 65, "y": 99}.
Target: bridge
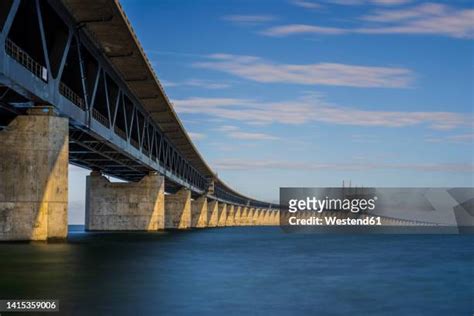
{"x": 76, "y": 87}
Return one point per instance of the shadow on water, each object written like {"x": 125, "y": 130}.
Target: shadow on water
{"x": 243, "y": 270}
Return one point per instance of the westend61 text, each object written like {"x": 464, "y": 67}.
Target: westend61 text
{"x": 335, "y": 221}
{"x": 318, "y": 205}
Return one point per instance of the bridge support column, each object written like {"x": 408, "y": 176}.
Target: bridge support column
{"x": 255, "y": 217}
{"x": 34, "y": 177}
{"x": 222, "y": 214}
{"x": 133, "y": 206}
{"x": 213, "y": 211}
{"x": 178, "y": 209}
{"x": 199, "y": 212}
{"x": 275, "y": 218}
{"x": 230, "y": 220}
{"x": 243, "y": 216}
{"x": 250, "y": 217}
{"x": 270, "y": 218}
{"x": 237, "y": 215}
{"x": 264, "y": 217}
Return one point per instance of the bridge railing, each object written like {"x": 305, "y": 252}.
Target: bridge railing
{"x": 69, "y": 94}
{"x": 17, "y": 53}
{"x": 100, "y": 118}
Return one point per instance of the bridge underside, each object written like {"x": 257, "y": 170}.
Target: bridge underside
{"x": 34, "y": 189}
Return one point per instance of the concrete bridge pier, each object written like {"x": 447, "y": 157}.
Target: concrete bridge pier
{"x": 230, "y": 221}
{"x": 268, "y": 217}
{"x": 34, "y": 177}
{"x": 243, "y": 216}
{"x": 261, "y": 217}
{"x": 237, "y": 215}
{"x": 117, "y": 206}
{"x": 178, "y": 209}
{"x": 213, "y": 211}
{"x": 222, "y": 214}
{"x": 256, "y": 215}
{"x": 249, "y": 219}
{"x": 276, "y": 218}
{"x": 199, "y": 212}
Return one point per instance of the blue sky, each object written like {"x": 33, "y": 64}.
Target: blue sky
{"x": 310, "y": 93}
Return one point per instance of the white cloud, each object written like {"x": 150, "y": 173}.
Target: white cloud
{"x": 251, "y": 136}
{"x": 427, "y": 18}
{"x": 249, "y": 19}
{"x": 197, "y": 104}
{"x": 416, "y": 12}
{"x": 291, "y": 29}
{"x": 390, "y": 2}
{"x": 375, "y": 2}
{"x": 236, "y": 133}
{"x": 315, "y": 109}
{"x": 334, "y": 74}
{"x": 460, "y": 138}
{"x": 196, "y": 136}
{"x": 168, "y": 84}
{"x": 207, "y": 84}
{"x": 423, "y": 19}
{"x": 306, "y": 4}
{"x": 200, "y": 83}
{"x": 240, "y": 164}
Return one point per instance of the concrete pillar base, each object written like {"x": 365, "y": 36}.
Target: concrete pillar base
{"x": 255, "y": 216}
{"x": 263, "y": 217}
{"x": 243, "y": 216}
{"x": 249, "y": 219}
{"x": 178, "y": 209}
{"x": 230, "y": 220}
{"x": 222, "y": 214}
{"x": 34, "y": 177}
{"x": 199, "y": 214}
{"x": 237, "y": 215}
{"x": 124, "y": 206}
{"x": 213, "y": 211}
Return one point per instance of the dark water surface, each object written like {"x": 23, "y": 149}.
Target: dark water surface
{"x": 248, "y": 270}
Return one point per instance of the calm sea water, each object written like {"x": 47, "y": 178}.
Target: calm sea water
{"x": 238, "y": 271}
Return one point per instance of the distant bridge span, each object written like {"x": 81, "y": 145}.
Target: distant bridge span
{"x": 80, "y": 60}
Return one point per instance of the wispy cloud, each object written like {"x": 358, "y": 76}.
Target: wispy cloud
{"x": 196, "y": 136}
{"x": 240, "y": 164}
{"x": 295, "y": 29}
{"x": 429, "y": 18}
{"x": 316, "y": 109}
{"x": 173, "y": 53}
{"x": 333, "y": 74}
{"x": 237, "y": 133}
{"x": 249, "y": 19}
{"x": 374, "y": 2}
{"x": 200, "y": 83}
{"x": 467, "y": 138}
{"x": 416, "y": 12}
{"x": 423, "y": 19}
{"x": 306, "y": 4}
{"x": 390, "y": 2}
